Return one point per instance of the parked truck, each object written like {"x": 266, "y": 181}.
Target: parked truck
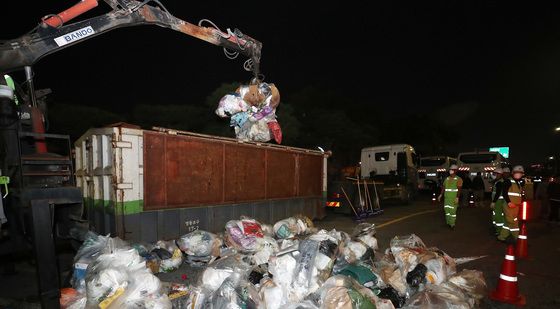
{"x": 432, "y": 171}
{"x": 483, "y": 162}
{"x": 146, "y": 185}
{"x": 395, "y": 167}
{"x": 385, "y": 173}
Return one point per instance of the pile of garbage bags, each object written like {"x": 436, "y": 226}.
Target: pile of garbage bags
{"x": 252, "y": 112}
{"x": 116, "y": 276}
{"x": 288, "y": 265}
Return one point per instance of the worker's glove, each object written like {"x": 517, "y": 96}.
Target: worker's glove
{"x": 511, "y": 205}
{"x": 492, "y": 205}
{"x": 439, "y": 198}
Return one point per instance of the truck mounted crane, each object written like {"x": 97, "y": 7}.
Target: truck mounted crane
{"x": 42, "y": 200}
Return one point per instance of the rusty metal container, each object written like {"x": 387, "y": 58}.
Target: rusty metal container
{"x": 146, "y": 185}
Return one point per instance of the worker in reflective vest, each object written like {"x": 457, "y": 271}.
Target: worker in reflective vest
{"x": 498, "y": 201}
{"x": 450, "y": 191}
{"x": 513, "y": 196}
{"x": 9, "y": 82}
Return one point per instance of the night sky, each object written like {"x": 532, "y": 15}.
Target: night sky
{"x": 491, "y": 68}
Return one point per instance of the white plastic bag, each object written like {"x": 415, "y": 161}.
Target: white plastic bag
{"x": 200, "y": 243}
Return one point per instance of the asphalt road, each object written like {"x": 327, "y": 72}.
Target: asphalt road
{"x": 538, "y": 276}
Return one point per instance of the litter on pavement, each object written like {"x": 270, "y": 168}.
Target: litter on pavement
{"x": 288, "y": 265}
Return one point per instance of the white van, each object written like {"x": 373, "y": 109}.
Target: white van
{"x": 483, "y": 162}
{"x": 393, "y": 165}
{"x": 432, "y": 171}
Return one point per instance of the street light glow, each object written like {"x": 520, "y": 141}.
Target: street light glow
{"x": 557, "y": 129}
{"x": 551, "y": 158}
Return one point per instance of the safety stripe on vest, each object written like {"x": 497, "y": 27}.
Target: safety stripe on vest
{"x": 494, "y": 222}
{"x": 514, "y": 194}
{"x": 451, "y": 190}
{"x": 510, "y": 257}
{"x": 522, "y": 237}
{"x": 494, "y": 213}
{"x": 501, "y": 198}
{"x": 508, "y": 278}
{"x": 448, "y": 206}
{"x": 499, "y": 224}
{"x": 511, "y": 229}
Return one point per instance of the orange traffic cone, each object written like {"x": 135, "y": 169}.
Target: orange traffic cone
{"x": 507, "y": 290}
{"x": 521, "y": 247}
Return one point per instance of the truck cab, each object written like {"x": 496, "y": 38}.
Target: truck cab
{"x": 432, "y": 171}
{"x": 395, "y": 166}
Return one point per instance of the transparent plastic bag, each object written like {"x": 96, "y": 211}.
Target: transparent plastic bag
{"x": 200, "y": 243}
{"x": 303, "y": 274}
{"x": 109, "y": 275}
{"x": 342, "y": 292}
{"x": 142, "y": 291}
{"x": 93, "y": 246}
{"x": 272, "y": 295}
{"x": 235, "y": 293}
{"x": 218, "y": 271}
{"x": 365, "y": 233}
{"x": 199, "y": 298}
{"x": 326, "y": 255}
{"x": 354, "y": 251}
{"x": 282, "y": 269}
{"x": 169, "y": 257}
{"x": 268, "y": 230}
{"x": 78, "y": 303}
{"x": 301, "y": 305}
{"x": 243, "y": 234}
{"x": 443, "y": 296}
{"x": 440, "y": 266}
{"x": 408, "y": 241}
{"x": 253, "y": 130}
{"x": 392, "y": 276}
{"x": 293, "y": 226}
{"x": 266, "y": 247}
{"x": 471, "y": 282}
{"x": 107, "y": 283}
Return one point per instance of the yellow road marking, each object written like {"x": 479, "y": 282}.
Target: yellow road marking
{"x": 406, "y": 217}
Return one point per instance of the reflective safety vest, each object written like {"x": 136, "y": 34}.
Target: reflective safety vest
{"x": 10, "y": 83}
{"x": 515, "y": 192}
{"x": 451, "y": 186}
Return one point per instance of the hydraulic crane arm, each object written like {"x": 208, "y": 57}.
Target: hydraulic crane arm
{"x": 52, "y": 35}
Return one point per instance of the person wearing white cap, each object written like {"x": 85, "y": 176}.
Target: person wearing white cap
{"x": 498, "y": 201}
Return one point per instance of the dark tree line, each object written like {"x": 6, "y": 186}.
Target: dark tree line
{"x": 310, "y": 118}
